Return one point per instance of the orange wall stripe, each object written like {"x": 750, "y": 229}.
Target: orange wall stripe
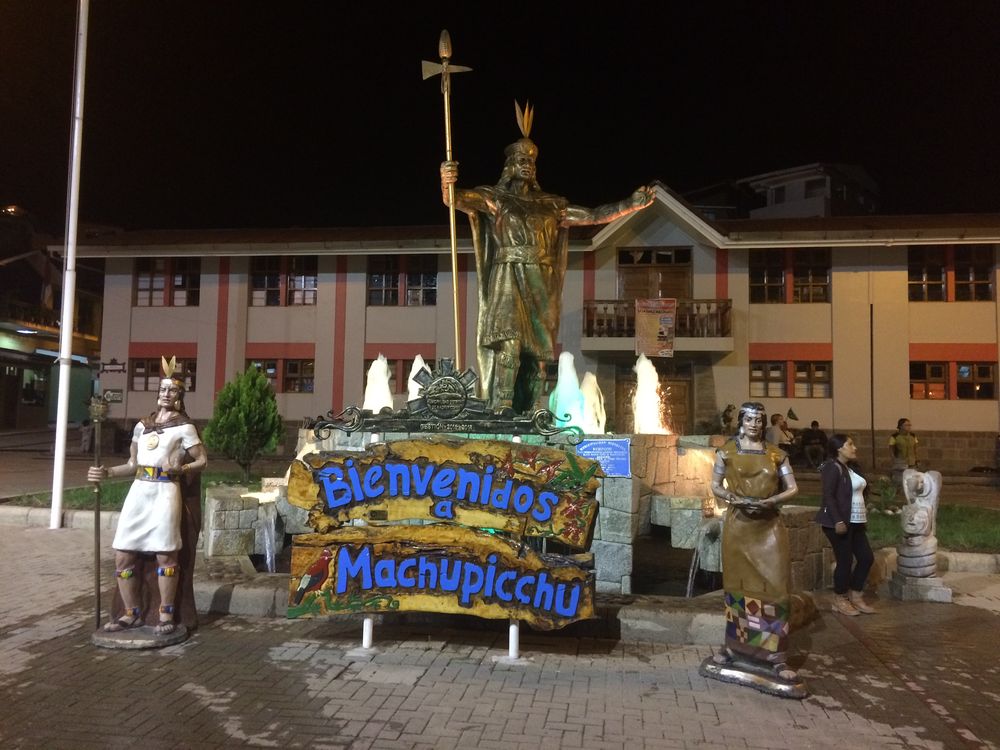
{"x": 339, "y": 334}
{"x": 790, "y": 351}
{"x": 404, "y": 351}
{"x": 281, "y": 350}
{"x": 168, "y": 349}
{"x": 589, "y": 276}
{"x": 222, "y": 325}
{"x": 721, "y": 273}
{"x": 949, "y": 352}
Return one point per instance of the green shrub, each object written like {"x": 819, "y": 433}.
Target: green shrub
{"x": 245, "y": 422}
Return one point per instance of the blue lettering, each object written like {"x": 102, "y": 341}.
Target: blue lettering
{"x": 421, "y": 482}
{"x": 491, "y": 572}
{"x": 337, "y": 491}
{"x": 544, "y": 592}
{"x": 501, "y": 497}
{"x": 426, "y": 569}
{"x": 372, "y": 476}
{"x": 484, "y": 493}
{"x": 503, "y": 594}
{"x": 348, "y": 568}
{"x": 399, "y": 479}
{"x": 352, "y": 474}
{"x": 385, "y": 574}
{"x": 443, "y": 482}
{"x": 523, "y": 498}
{"x": 468, "y": 485}
{"x": 444, "y": 509}
{"x": 401, "y": 579}
{"x": 472, "y": 582}
{"x": 564, "y": 609}
{"x": 547, "y": 501}
{"x": 449, "y": 581}
{"x": 519, "y": 592}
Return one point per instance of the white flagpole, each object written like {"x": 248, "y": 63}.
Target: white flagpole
{"x": 69, "y": 267}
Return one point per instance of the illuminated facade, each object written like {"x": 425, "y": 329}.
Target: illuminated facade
{"x": 854, "y": 321}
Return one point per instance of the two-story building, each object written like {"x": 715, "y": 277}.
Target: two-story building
{"x": 854, "y": 321}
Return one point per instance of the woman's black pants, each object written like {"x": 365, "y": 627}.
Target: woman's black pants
{"x": 852, "y": 546}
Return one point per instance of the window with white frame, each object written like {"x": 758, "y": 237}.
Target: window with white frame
{"x": 167, "y": 282}
{"x": 145, "y": 374}
{"x": 407, "y": 280}
{"x": 277, "y": 281}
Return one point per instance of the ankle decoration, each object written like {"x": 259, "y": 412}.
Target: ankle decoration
{"x": 166, "y": 609}
{"x": 167, "y": 570}
{"x": 132, "y": 611}
{"x": 125, "y": 573}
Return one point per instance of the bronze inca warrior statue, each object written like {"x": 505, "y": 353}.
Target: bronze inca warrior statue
{"x": 520, "y": 234}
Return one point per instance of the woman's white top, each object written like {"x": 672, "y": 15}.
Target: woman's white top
{"x": 858, "y": 483}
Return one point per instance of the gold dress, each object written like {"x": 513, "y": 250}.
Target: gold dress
{"x": 756, "y": 567}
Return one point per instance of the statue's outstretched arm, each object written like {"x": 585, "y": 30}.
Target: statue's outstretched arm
{"x": 580, "y": 215}
{"x": 468, "y": 201}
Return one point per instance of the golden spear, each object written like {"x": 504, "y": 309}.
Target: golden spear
{"x": 430, "y": 69}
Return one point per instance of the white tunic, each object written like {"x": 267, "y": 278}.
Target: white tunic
{"x": 150, "y": 520}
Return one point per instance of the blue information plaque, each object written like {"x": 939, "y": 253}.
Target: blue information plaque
{"x": 612, "y": 453}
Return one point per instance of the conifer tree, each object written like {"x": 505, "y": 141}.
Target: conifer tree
{"x": 245, "y": 422}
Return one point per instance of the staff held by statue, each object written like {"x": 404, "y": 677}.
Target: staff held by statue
{"x": 445, "y": 69}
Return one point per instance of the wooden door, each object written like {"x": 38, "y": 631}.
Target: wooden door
{"x": 654, "y": 282}
{"x": 675, "y": 405}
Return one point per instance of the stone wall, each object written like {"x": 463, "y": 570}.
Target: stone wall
{"x": 234, "y": 525}
{"x": 951, "y": 453}
{"x": 672, "y": 483}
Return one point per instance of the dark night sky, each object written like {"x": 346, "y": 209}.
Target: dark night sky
{"x": 252, "y": 114}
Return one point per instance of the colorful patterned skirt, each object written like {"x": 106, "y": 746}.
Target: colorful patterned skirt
{"x": 756, "y": 573}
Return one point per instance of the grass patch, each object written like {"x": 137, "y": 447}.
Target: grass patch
{"x": 960, "y": 528}
{"x": 113, "y": 492}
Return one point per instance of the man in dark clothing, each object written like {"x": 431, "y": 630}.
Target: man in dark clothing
{"x": 814, "y": 444}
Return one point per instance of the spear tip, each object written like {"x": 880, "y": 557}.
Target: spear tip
{"x": 444, "y": 45}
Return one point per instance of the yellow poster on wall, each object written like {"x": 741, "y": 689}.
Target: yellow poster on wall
{"x": 655, "y": 320}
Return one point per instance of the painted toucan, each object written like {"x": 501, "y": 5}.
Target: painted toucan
{"x": 314, "y": 576}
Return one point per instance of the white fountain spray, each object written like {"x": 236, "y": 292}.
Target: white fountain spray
{"x": 646, "y": 406}
{"x": 567, "y": 399}
{"x": 594, "y": 416}
{"x": 378, "y": 395}
{"x": 412, "y": 386}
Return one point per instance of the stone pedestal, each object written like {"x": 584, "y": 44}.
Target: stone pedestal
{"x": 911, "y": 589}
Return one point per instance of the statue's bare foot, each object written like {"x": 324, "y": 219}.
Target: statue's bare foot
{"x": 125, "y": 622}
{"x": 166, "y": 627}
{"x": 785, "y": 673}
{"x": 723, "y": 657}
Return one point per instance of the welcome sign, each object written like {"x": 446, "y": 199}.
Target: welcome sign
{"x": 426, "y": 569}
{"x": 478, "y": 498}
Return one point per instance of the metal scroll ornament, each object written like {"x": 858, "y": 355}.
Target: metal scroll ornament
{"x": 446, "y": 403}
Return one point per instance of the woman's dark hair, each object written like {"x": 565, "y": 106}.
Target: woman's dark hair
{"x": 833, "y": 446}
{"x": 835, "y": 443}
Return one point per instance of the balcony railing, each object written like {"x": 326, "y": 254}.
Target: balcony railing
{"x": 696, "y": 318}
{"x": 29, "y": 315}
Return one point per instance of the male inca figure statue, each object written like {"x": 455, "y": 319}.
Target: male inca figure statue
{"x": 520, "y": 234}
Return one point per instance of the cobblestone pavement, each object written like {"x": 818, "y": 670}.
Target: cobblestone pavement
{"x": 914, "y": 676}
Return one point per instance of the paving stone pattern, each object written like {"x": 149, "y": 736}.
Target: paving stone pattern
{"x": 917, "y": 675}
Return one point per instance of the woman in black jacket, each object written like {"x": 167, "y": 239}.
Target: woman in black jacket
{"x": 843, "y": 518}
